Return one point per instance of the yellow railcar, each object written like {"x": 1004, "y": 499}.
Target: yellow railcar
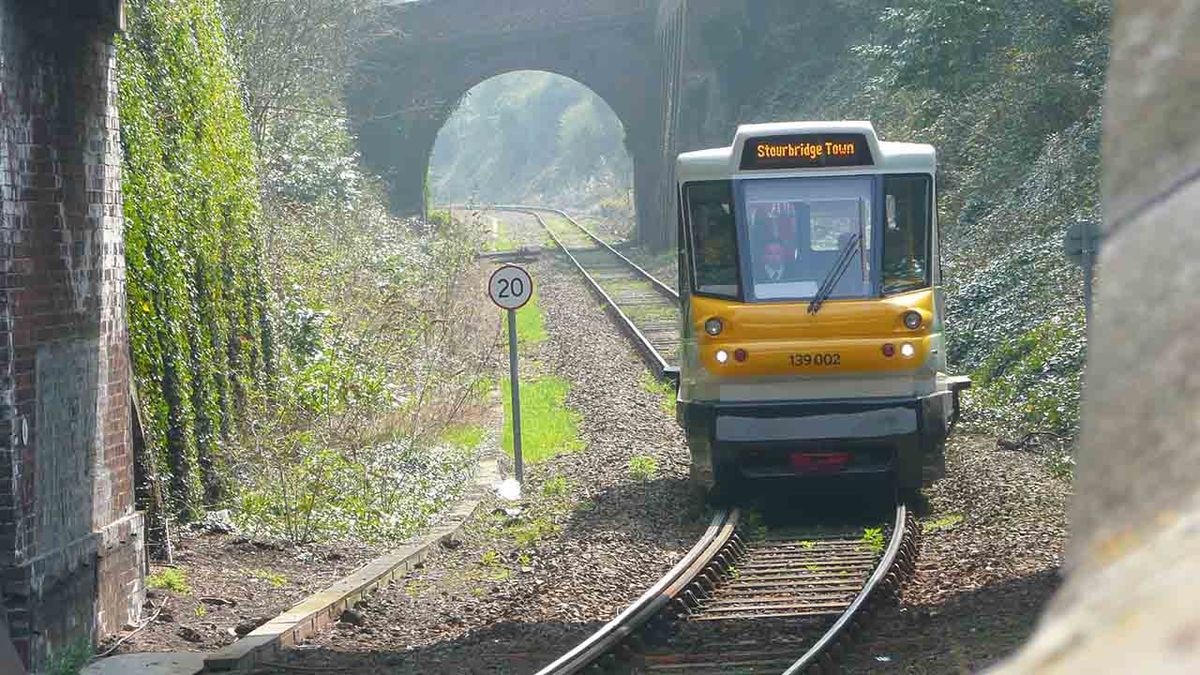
{"x": 812, "y": 334}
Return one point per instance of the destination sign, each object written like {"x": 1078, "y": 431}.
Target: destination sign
{"x": 806, "y": 151}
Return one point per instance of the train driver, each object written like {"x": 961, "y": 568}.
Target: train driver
{"x": 774, "y": 266}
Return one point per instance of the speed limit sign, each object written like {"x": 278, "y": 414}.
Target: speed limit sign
{"x": 510, "y": 287}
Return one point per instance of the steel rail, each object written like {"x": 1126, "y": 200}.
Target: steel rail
{"x": 720, "y": 531}
{"x": 886, "y": 562}
{"x": 655, "y": 358}
{"x": 659, "y": 285}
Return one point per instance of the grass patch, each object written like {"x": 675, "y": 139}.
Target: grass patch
{"x": 170, "y": 579}
{"x": 944, "y": 523}
{"x": 665, "y": 391}
{"x": 531, "y": 330}
{"x": 642, "y": 467}
{"x": 548, "y": 427}
{"x": 466, "y": 436}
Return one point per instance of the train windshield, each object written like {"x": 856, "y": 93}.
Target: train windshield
{"x": 805, "y": 233}
{"x": 908, "y": 203}
{"x": 714, "y": 238}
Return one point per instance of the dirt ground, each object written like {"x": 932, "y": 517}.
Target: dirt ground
{"x": 234, "y": 584}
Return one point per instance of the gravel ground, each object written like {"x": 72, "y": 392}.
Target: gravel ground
{"x": 990, "y": 553}
{"x": 588, "y": 539}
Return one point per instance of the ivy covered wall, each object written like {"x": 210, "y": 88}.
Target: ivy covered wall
{"x": 199, "y": 333}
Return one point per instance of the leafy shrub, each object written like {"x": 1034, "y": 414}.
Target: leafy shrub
{"x": 199, "y": 330}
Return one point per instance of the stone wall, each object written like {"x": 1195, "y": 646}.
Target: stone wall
{"x": 71, "y": 550}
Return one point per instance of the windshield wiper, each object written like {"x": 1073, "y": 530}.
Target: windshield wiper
{"x": 840, "y": 265}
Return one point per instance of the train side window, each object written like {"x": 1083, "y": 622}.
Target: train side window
{"x": 713, "y": 237}
{"x": 907, "y": 223}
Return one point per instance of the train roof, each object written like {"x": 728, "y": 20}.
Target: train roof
{"x": 726, "y": 162}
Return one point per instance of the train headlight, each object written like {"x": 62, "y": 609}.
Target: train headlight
{"x": 722, "y": 356}
{"x": 912, "y": 320}
{"x": 907, "y": 350}
{"x": 713, "y": 326}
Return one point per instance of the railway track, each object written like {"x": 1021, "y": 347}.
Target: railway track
{"x": 744, "y": 599}
{"x": 783, "y": 601}
{"x": 646, "y": 308}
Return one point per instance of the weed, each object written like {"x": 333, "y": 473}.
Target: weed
{"x": 872, "y": 539}
{"x": 734, "y": 572}
{"x": 200, "y": 610}
{"x": 643, "y": 467}
{"x": 477, "y": 592}
{"x": 274, "y": 578}
{"x": 664, "y": 390}
{"x": 529, "y": 533}
{"x": 490, "y": 558}
{"x": 524, "y": 560}
{"x": 807, "y": 545}
{"x": 755, "y": 525}
{"x": 944, "y": 523}
{"x": 556, "y": 487}
{"x": 70, "y": 659}
{"x": 170, "y": 579}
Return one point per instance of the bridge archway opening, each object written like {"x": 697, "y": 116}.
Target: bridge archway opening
{"x": 536, "y": 137}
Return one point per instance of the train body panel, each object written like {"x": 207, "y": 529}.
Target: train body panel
{"x": 812, "y": 320}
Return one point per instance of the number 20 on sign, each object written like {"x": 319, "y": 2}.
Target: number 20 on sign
{"x": 510, "y": 288}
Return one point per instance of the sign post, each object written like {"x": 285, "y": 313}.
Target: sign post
{"x": 510, "y": 288}
{"x": 1081, "y": 244}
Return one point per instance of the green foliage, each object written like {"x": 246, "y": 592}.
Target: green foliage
{"x": 528, "y": 533}
{"x": 664, "y": 391}
{"x": 71, "y": 658}
{"x": 872, "y": 539}
{"x": 548, "y": 427}
{"x": 170, "y": 579}
{"x": 1032, "y": 380}
{"x": 385, "y": 353}
{"x": 528, "y": 137}
{"x": 199, "y": 333}
{"x": 643, "y": 467}
{"x": 556, "y": 487}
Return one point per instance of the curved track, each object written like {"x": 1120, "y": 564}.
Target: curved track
{"x": 646, "y": 308}
{"x": 784, "y": 601}
{"x": 758, "y": 601}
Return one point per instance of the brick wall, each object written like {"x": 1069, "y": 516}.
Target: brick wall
{"x": 71, "y": 550}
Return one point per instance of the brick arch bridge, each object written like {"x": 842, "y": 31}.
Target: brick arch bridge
{"x": 410, "y": 80}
